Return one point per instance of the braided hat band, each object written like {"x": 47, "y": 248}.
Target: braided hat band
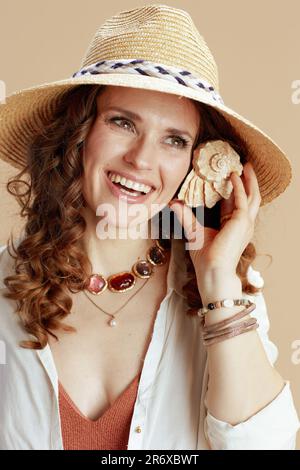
{"x": 153, "y": 47}
{"x": 150, "y": 69}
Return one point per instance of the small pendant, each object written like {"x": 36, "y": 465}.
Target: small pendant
{"x": 112, "y": 322}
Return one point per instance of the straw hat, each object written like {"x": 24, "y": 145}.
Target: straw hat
{"x": 154, "y": 47}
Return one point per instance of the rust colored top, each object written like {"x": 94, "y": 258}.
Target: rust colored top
{"x": 109, "y": 432}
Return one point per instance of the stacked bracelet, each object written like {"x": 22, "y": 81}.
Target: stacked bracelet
{"x": 215, "y": 333}
{"x": 222, "y": 303}
{"x": 227, "y": 321}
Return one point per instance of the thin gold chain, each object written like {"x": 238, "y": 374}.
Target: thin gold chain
{"x": 113, "y": 314}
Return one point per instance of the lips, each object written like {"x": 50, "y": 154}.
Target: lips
{"x": 117, "y": 192}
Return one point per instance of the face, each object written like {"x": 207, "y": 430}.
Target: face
{"x": 148, "y": 139}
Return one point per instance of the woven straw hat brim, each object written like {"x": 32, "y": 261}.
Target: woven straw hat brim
{"x": 26, "y": 111}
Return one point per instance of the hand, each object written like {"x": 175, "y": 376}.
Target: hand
{"x": 221, "y": 249}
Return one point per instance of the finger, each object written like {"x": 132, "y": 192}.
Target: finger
{"x": 193, "y": 230}
{"x": 240, "y": 196}
{"x": 227, "y": 205}
{"x": 252, "y": 183}
{"x": 254, "y": 196}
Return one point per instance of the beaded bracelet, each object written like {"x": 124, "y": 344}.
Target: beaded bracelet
{"x": 222, "y": 303}
{"x": 227, "y": 321}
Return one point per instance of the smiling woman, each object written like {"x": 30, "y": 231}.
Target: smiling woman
{"x": 68, "y": 163}
{"x": 92, "y": 149}
{"x": 138, "y": 380}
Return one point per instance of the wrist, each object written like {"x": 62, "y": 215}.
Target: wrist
{"x": 218, "y": 285}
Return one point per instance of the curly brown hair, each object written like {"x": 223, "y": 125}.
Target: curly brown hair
{"x": 49, "y": 260}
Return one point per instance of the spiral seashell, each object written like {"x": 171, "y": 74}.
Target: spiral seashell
{"x": 219, "y": 163}
{"x": 209, "y": 181}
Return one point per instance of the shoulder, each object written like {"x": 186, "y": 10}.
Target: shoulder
{"x": 6, "y": 260}
{"x": 9, "y": 324}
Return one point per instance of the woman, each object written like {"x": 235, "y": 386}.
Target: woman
{"x": 130, "y": 371}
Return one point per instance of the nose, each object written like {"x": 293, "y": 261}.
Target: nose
{"x": 140, "y": 155}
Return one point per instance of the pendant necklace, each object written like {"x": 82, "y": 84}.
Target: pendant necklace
{"x": 157, "y": 255}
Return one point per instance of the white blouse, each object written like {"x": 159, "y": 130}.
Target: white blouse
{"x": 170, "y": 411}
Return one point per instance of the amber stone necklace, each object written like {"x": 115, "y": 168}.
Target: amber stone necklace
{"x": 157, "y": 255}
{"x": 122, "y": 282}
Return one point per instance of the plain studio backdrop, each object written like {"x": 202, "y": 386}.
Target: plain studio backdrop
{"x": 257, "y": 48}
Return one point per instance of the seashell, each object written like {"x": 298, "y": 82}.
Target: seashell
{"x": 184, "y": 193}
{"x": 209, "y": 180}
{"x": 210, "y": 195}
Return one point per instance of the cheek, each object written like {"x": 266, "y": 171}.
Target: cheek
{"x": 175, "y": 173}
{"x": 92, "y": 150}
{"x": 99, "y": 152}
{"x": 94, "y": 144}
{"x": 91, "y": 170}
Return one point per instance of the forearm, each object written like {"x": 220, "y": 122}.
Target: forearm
{"x": 241, "y": 379}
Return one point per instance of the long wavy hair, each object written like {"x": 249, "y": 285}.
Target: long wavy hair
{"x": 49, "y": 260}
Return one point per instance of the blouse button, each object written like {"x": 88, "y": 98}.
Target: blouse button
{"x": 138, "y": 429}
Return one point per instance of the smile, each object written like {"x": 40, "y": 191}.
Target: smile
{"x": 129, "y": 195}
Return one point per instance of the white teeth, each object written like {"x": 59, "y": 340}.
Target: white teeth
{"x": 129, "y": 192}
{"x": 128, "y": 183}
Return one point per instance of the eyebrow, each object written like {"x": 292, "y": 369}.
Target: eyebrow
{"x": 137, "y": 117}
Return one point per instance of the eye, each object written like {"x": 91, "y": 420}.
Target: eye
{"x": 119, "y": 118}
{"x": 183, "y": 143}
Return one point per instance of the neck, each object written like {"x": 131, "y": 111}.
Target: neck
{"x": 112, "y": 255}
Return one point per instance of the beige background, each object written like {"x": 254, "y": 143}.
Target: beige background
{"x": 256, "y": 46}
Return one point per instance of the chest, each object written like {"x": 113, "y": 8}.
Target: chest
{"x": 96, "y": 364}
